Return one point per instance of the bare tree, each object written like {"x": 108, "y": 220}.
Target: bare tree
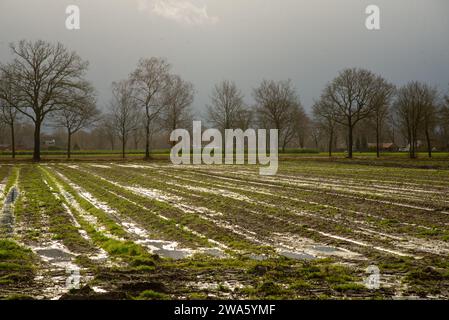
{"x": 324, "y": 116}
{"x": 381, "y": 104}
{"x": 3, "y": 135}
{"x": 316, "y": 133}
{"x": 292, "y": 127}
{"x": 277, "y": 108}
{"x": 9, "y": 117}
{"x": 414, "y": 107}
{"x": 392, "y": 124}
{"x": 78, "y": 115}
{"x": 178, "y": 98}
{"x": 107, "y": 130}
{"x": 44, "y": 77}
{"x": 137, "y": 135}
{"x": 150, "y": 80}
{"x": 302, "y": 124}
{"x": 430, "y": 116}
{"x": 351, "y": 93}
{"x": 226, "y": 106}
{"x": 444, "y": 121}
{"x": 124, "y": 111}
{"x": 244, "y": 119}
{"x": 8, "y": 113}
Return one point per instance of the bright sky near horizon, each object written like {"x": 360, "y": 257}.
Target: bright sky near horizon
{"x": 247, "y": 41}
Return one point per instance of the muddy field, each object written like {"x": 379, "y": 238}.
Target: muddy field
{"x": 139, "y": 230}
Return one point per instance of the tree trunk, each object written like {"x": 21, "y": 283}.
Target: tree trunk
{"x": 123, "y": 148}
{"x": 37, "y": 142}
{"x": 13, "y": 141}
{"x": 413, "y": 147}
{"x": 377, "y": 139}
{"x": 429, "y": 144}
{"x": 301, "y": 141}
{"x": 331, "y": 138}
{"x": 136, "y": 141}
{"x": 147, "y": 135}
{"x": 393, "y": 134}
{"x": 284, "y": 144}
{"x": 147, "y": 141}
{"x": 350, "y": 142}
{"x": 69, "y": 144}
{"x": 410, "y": 141}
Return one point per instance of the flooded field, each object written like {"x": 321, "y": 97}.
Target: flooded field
{"x": 151, "y": 230}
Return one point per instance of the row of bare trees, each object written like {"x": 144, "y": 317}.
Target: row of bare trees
{"x": 151, "y": 98}
{"x": 277, "y": 107}
{"x": 358, "y": 95}
{"x": 46, "y": 83}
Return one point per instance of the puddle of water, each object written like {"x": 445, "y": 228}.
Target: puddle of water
{"x": 57, "y": 270}
{"x": 213, "y": 286}
{"x": 326, "y": 249}
{"x": 294, "y": 243}
{"x": 99, "y": 290}
{"x": 165, "y": 249}
{"x": 170, "y": 249}
{"x": 173, "y": 254}
{"x": 297, "y": 255}
{"x": 100, "y": 166}
{"x": 54, "y": 254}
{"x": 100, "y": 256}
{"x": 258, "y": 257}
{"x": 215, "y": 252}
{"x": 12, "y": 195}
{"x": 6, "y": 221}
{"x": 6, "y": 214}
{"x": 134, "y": 166}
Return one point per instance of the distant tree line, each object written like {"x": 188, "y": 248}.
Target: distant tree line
{"x": 359, "y": 97}
{"x": 45, "y": 84}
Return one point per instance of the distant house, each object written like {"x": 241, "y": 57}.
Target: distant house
{"x": 5, "y": 147}
{"x": 50, "y": 143}
{"x": 407, "y": 147}
{"x": 385, "y": 146}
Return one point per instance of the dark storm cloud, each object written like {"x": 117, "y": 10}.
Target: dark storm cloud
{"x": 243, "y": 40}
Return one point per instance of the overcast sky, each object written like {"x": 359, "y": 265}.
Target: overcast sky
{"x": 207, "y": 41}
